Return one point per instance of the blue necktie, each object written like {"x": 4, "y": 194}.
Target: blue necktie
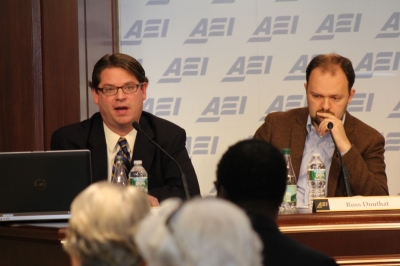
{"x": 123, "y": 151}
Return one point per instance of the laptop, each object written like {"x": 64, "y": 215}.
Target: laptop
{"x": 38, "y": 186}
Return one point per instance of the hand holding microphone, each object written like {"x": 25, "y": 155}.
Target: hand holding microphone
{"x": 332, "y": 123}
{"x": 343, "y": 169}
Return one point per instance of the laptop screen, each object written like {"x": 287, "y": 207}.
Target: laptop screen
{"x": 41, "y": 185}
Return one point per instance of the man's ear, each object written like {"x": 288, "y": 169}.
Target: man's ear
{"x": 352, "y": 92}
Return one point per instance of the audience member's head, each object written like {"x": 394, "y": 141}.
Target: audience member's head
{"x": 102, "y": 224}
{"x": 200, "y": 232}
{"x": 252, "y": 174}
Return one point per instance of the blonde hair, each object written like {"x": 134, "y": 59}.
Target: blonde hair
{"x": 103, "y": 220}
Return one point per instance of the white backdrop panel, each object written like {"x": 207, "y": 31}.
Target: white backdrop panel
{"x": 217, "y": 67}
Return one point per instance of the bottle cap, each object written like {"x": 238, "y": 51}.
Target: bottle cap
{"x": 118, "y": 158}
{"x": 286, "y": 151}
{"x": 137, "y": 162}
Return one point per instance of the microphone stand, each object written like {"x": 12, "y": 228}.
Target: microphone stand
{"x": 183, "y": 176}
{"x": 343, "y": 170}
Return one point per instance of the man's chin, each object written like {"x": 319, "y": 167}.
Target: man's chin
{"x": 316, "y": 121}
{"x": 124, "y": 121}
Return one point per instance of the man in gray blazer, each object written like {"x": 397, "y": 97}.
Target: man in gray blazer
{"x": 329, "y": 89}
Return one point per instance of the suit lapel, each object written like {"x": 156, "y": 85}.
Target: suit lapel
{"x": 334, "y": 172}
{"x": 143, "y": 149}
{"x": 98, "y": 149}
{"x": 298, "y": 138}
{"x": 349, "y": 126}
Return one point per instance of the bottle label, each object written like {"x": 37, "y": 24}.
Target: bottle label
{"x": 316, "y": 174}
{"x": 290, "y": 193}
{"x": 139, "y": 182}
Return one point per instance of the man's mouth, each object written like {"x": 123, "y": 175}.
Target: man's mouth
{"x": 121, "y": 109}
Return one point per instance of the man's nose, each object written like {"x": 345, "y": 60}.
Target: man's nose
{"x": 120, "y": 93}
{"x": 326, "y": 103}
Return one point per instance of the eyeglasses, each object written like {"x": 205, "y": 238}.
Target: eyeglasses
{"x": 127, "y": 89}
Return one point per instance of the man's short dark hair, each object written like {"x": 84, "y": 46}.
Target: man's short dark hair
{"x": 328, "y": 62}
{"x": 124, "y": 61}
{"x": 252, "y": 170}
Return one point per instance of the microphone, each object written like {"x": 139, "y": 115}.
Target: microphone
{"x": 343, "y": 169}
{"x": 183, "y": 177}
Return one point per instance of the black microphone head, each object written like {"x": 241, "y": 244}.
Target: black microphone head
{"x": 330, "y": 125}
{"x": 136, "y": 125}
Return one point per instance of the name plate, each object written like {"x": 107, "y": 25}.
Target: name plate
{"x": 356, "y": 203}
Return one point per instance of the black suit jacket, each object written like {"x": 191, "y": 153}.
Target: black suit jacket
{"x": 164, "y": 176}
{"x": 280, "y": 249}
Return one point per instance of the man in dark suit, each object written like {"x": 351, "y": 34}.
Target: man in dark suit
{"x": 119, "y": 87}
{"x": 252, "y": 174}
{"x": 329, "y": 89}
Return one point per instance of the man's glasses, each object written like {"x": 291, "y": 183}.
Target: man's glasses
{"x": 127, "y": 89}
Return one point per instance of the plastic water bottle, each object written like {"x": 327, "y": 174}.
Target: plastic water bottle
{"x": 316, "y": 179}
{"x": 119, "y": 178}
{"x": 138, "y": 176}
{"x": 289, "y": 199}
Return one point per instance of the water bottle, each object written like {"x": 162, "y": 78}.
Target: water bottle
{"x": 316, "y": 179}
{"x": 138, "y": 176}
{"x": 119, "y": 177}
{"x": 289, "y": 198}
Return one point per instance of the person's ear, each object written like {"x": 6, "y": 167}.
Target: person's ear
{"x": 352, "y": 92}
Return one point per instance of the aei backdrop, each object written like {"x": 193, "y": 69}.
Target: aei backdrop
{"x": 218, "y": 67}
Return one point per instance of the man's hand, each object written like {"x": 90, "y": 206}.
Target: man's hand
{"x": 153, "y": 201}
{"x": 338, "y": 132}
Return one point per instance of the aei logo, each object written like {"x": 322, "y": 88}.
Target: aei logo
{"x": 372, "y": 64}
{"x": 341, "y": 24}
{"x": 223, "y": 1}
{"x": 379, "y": 62}
{"x": 202, "y": 145}
{"x": 391, "y": 29}
{"x": 392, "y": 142}
{"x": 192, "y": 66}
{"x": 254, "y": 65}
{"x": 361, "y": 102}
{"x": 230, "y": 105}
{"x": 163, "y": 106}
{"x": 281, "y": 104}
{"x": 282, "y": 25}
{"x": 299, "y": 66}
{"x": 157, "y": 2}
{"x": 396, "y": 111}
{"x": 216, "y": 27}
{"x": 152, "y": 28}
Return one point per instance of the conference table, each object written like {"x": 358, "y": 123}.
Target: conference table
{"x": 352, "y": 238}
